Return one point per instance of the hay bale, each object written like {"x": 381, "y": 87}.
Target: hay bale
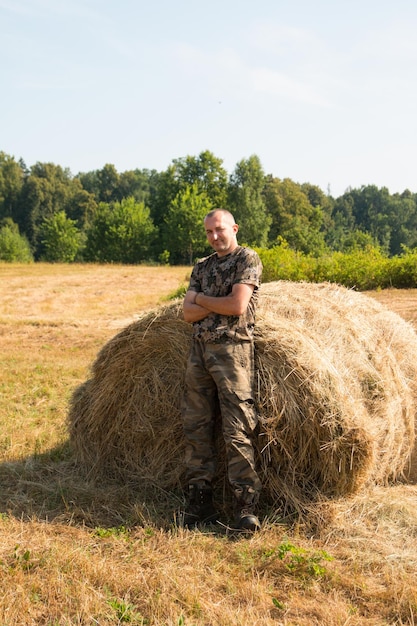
{"x": 343, "y": 373}
{"x": 336, "y": 385}
{"x": 125, "y": 420}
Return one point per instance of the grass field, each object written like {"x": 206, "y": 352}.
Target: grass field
{"x": 76, "y": 553}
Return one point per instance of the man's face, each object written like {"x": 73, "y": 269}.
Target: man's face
{"x": 221, "y": 233}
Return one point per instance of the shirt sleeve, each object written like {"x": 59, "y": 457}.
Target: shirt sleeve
{"x": 195, "y": 282}
{"x": 249, "y": 269}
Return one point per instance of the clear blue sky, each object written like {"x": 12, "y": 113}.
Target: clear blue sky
{"x": 323, "y": 91}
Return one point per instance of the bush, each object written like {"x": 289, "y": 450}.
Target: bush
{"x": 283, "y": 263}
{"x": 61, "y": 239}
{"x": 403, "y": 271}
{"x": 360, "y": 269}
{"x": 14, "y": 248}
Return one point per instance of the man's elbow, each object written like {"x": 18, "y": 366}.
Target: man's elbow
{"x": 239, "y": 309}
{"x": 188, "y": 318}
{"x": 187, "y": 315}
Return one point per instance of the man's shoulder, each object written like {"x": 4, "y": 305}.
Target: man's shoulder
{"x": 205, "y": 259}
{"x": 248, "y": 253}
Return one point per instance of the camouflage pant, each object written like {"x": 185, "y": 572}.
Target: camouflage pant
{"x": 220, "y": 376}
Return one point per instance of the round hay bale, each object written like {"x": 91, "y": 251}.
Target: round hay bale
{"x": 125, "y": 420}
{"x": 336, "y": 386}
{"x": 343, "y": 372}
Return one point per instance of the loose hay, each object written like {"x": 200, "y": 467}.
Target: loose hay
{"x": 336, "y": 385}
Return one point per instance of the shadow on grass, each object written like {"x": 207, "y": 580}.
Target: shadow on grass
{"x": 51, "y": 487}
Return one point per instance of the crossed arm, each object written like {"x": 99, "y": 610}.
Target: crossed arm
{"x": 197, "y": 306}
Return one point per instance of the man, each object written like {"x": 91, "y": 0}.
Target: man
{"x": 220, "y": 303}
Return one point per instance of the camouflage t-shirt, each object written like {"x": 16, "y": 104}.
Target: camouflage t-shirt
{"x": 215, "y": 276}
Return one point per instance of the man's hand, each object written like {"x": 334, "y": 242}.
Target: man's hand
{"x": 193, "y": 312}
{"x": 197, "y": 305}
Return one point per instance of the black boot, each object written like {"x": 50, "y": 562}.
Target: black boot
{"x": 200, "y": 507}
{"x": 246, "y": 501}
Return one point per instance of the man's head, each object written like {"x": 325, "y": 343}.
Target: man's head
{"x": 221, "y": 231}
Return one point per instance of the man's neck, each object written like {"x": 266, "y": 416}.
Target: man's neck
{"x": 229, "y": 251}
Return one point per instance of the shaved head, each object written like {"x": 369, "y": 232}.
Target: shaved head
{"x": 228, "y": 217}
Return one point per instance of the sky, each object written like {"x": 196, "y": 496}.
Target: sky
{"x": 323, "y": 92}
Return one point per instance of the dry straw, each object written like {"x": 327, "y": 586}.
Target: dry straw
{"x": 336, "y": 386}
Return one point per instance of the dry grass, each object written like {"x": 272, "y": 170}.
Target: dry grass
{"x": 76, "y": 553}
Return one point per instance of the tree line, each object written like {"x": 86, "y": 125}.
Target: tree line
{"x": 146, "y": 216}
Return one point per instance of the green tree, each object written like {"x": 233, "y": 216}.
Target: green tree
{"x": 90, "y": 183}
{"x": 108, "y": 184}
{"x": 391, "y": 220}
{"x": 14, "y": 247}
{"x": 103, "y": 184}
{"x": 342, "y": 223}
{"x": 184, "y": 235}
{"x": 47, "y": 190}
{"x": 11, "y": 183}
{"x": 356, "y": 240}
{"x": 61, "y": 239}
{"x": 80, "y": 204}
{"x": 164, "y": 188}
{"x": 121, "y": 232}
{"x": 136, "y": 184}
{"x": 44, "y": 193}
{"x": 370, "y": 209}
{"x": 294, "y": 219}
{"x": 318, "y": 199}
{"x": 402, "y": 217}
{"x": 206, "y": 171}
{"x": 246, "y": 202}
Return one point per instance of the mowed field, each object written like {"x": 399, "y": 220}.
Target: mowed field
{"x": 73, "y": 552}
